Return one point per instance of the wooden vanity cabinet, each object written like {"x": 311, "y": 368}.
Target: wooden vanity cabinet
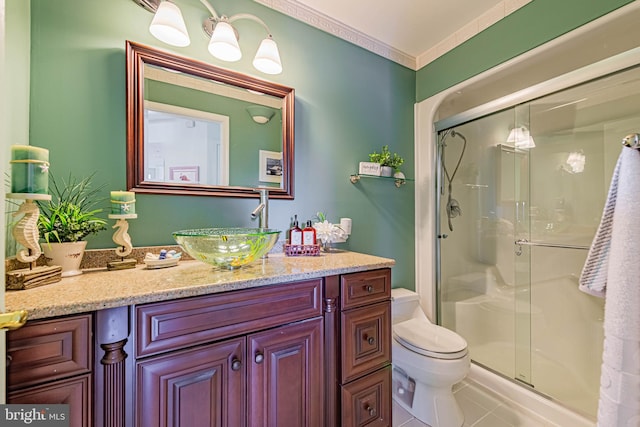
{"x": 364, "y": 347}
{"x": 243, "y": 358}
{"x": 313, "y": 353}
{"x": 49, "y": 361}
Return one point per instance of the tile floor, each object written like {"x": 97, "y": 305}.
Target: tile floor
{"x": 481, "y": 408}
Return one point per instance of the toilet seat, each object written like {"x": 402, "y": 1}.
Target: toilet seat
{"x": 429, "y": 340}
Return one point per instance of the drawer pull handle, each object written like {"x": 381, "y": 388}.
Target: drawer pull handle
{"x": 369, "y": 288}
{"x": 371, "y": 340}
{"x": 236, "y": 364}
{"x": 259, "y": 357}
{"x": 371, "y": 410}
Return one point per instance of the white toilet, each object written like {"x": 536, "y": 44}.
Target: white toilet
{"x": 427, "y": 361}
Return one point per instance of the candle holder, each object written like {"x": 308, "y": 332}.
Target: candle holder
{"x": 25, "y": 232}
{"x": 123, "y": 240}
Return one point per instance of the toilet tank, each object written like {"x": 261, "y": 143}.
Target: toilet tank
{"x": 404, "y": 304}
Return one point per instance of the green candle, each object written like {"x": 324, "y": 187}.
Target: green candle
{"x": 29, "y": 169}
{"x": 123, "y": 202}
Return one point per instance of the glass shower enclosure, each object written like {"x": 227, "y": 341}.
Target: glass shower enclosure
{"x": 521, "y": 196}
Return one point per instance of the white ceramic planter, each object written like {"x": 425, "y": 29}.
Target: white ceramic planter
{"x": 386, "y": 171}
{"x": 67, "y": 255}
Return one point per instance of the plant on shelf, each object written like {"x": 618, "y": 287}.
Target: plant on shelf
{"x": 66, "y": 219}
{"x": 71, "y": 214}
{"x": 386, "y": 158}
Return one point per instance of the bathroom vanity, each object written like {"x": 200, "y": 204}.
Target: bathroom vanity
{"x": 288, "y": 341}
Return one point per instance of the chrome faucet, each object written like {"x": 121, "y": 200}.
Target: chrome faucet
{"x": 263, "y": 208}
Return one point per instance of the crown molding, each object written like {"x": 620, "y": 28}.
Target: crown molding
{"x": 329, "y": 25}
{"x": 304, "y": 13}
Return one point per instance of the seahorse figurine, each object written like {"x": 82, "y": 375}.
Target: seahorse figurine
{"x": 26, "y": 232}
{"x": 122, "y": 238}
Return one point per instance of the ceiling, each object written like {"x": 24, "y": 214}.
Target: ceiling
{"x": 410, "y": 32}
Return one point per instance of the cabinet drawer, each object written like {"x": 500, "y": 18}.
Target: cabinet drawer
{"x": 75, "y": 392}
{"x": 366, "y": 340}
{"x": 177, "y": 324}
{"x": 48, "y": 350}
{"x": 367, "y": 402}
{"x": 366, "y": 287}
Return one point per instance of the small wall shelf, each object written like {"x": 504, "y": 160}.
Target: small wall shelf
{"x": 399, "y": 182}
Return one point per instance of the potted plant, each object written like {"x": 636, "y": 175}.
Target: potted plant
{"x": 66, "y": 219}
{"x": 388, "y": 161}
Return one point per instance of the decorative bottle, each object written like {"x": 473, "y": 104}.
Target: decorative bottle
{"x": 295, "y": 233}
{"x": 309, "y": 234}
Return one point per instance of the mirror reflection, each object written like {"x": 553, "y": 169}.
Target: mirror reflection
{"x": 185, "y": 145}
{"x": 195, "y": 128}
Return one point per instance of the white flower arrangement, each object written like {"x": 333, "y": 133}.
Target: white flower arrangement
{"x": 328, "y": 232}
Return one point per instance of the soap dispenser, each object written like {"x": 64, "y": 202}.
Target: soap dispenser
{"x": 295, "y": 233}
{"x": 309, "y": 234}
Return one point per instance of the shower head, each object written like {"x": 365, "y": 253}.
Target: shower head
{"x": 453, "y": 207}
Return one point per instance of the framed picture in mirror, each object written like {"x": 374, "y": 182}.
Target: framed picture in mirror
{"x": 270, "y": 166}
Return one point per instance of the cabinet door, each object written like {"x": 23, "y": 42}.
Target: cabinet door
{"x": 366, "y": 340}
{"x": 203, "y": 387}
{"x": 367, "y": 401}
{"x": 285, "y": 371}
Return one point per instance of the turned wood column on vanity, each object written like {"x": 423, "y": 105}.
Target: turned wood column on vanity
{"x": 331, "y": 334}
{"x": 113, "y": 368}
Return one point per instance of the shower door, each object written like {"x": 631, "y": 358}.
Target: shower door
{"x": 529, "y": 194}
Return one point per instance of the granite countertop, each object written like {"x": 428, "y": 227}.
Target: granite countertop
{"x": 99, "y": 289}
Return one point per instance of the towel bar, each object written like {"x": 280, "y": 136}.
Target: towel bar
{"x": 525, "y": 242}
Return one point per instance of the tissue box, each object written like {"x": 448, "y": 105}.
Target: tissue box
{"x": 369, "y": 168}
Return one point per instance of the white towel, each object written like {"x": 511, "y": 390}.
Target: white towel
{"x": 614, "y": 267}
{"x": 593, "y": 279}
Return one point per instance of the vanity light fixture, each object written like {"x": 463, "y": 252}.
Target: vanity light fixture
{"x": 168, "y": 26}
{"x": 520, "y": 137}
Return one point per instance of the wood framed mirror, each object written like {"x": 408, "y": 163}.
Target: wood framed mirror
{"x": 197, "y": 129}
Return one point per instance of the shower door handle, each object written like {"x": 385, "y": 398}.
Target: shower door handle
{"x": 442, "y": 236}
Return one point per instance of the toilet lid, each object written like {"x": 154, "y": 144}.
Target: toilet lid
{"x": 429, "y": 339}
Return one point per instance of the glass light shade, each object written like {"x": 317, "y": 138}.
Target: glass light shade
{"x": 168, "y": 25}
{"x": 267, "y": 58}
{"x": 260, "y": 114}
{"x": 224, "y": 44}
{"x": 521, "y": 138}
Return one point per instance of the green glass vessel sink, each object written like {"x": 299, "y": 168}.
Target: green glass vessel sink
{"x": 227, "y": 247}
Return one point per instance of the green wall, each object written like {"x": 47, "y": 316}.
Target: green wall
{"x": 533, "y": 25}
{"x": 349, "y": 102}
